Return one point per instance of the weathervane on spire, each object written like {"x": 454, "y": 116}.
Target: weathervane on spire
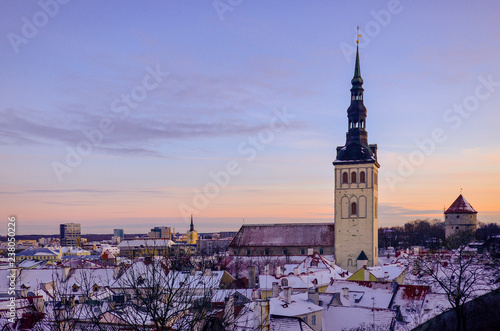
{"x": 461, "y": 189}
{"x": 357, "y": 34}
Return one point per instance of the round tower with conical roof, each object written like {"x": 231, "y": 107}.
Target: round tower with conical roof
{"x": 460, "y": 217}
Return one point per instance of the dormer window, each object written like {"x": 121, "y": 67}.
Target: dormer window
{"x": 75, "y": 288}
{"x": 284, "y": 282}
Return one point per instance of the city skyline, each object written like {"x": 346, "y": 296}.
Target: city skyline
{"x": 232, "y": 112}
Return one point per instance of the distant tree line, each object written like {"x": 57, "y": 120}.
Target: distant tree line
{"x": 427, "y": 233}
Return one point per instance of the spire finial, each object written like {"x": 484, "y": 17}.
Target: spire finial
{"x": 461, "y": 189}
{"x": 357, "y": 34}
{"x": 191, "y": 228}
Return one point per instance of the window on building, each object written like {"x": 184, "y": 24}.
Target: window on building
{"x": 345, "y": 178}
{"x": 321, "y": 251}
{"x": 285, "y": 252}
{"x": 349, "y": 262}
{"x": 362, "y": 178}
{"x": 284, "y": 282}
{"x": 313, "y": 319}
{"x": 354, "y": 208}
{"x": 353, "y": 177}
{"x": 302, "y": 251}
{"x": 248, "y": 252}
{"x": 266, "y": 251}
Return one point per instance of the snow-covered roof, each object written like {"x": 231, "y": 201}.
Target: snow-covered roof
{"x": 291, "y": 234}
{"x": 388, "y": 272}
{"x": 363, "y": 293}
{"x": 38, "y": 252}
{"x": 145, "y": 243}
{"x": 345, "y": 318}
{"x": 299, "y": 306}
{"x": 460, "y": 206}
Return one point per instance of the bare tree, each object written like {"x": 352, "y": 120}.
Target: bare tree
{"x": 461, "y": 274}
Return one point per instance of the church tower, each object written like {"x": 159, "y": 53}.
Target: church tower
{"x": 356, "y": 187}
{"x": 192, "y": 235}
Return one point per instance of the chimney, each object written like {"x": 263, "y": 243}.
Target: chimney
{"x": 229, "y": 312}
{"x": 346, "y": 292}
{"x": 255, "y": 294}
{"x": 313, "y": 295}
{"x": 386, "y": 274}
{"x": 278, "y": 271}
{"x": 296, "y": 271}
{"x": 251, "y": 277}
{"x": 262, "y": 315}
{"x": 208, "y": 272}
{"x": 366, "y": 274}
{"x": 287, "y": 293}
{"x": 276, "y": 289}
{"x": 66, "y": 271}
{"x": 116, "y": 273}
{"x": 266, "y": 269}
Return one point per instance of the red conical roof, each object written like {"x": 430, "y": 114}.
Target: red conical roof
{"x": 460, "y": 206}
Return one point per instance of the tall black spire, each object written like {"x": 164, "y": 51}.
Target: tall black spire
{"x": 356, "y": 147}
{"x": 191, "y": 228}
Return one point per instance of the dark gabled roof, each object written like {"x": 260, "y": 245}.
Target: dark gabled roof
{"x": 290, "y": 234}
{"x": 460, "y": 206}
{"x": 362, "y": 256}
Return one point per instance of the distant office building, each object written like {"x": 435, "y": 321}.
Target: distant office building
{"x": 161, "y": 232}
{"x": 70, "y": 234}
{"x": 118, "y": 233}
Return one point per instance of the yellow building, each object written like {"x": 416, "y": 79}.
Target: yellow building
{"x": 192, "y": 235}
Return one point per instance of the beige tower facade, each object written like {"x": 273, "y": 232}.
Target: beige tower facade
{"x": 356, "y": 188}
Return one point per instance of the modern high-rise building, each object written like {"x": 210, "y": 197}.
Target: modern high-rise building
{"x": 161, "y": 232}
{"x": 118, "y": 233}
{"x": 70, "y": 234}
{"x": 356, "y": 188}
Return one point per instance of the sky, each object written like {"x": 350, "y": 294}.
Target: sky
{"x": 135, "y": 114}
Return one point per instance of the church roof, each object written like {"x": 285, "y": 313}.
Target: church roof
{"x": 460, "y": 206}
{"x": 290, "y": 234}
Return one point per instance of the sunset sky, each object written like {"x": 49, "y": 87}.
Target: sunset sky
{"x": 134, "y": 114}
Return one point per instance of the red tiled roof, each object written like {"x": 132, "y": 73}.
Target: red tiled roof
{"x": 460, "y": 206}
{"x": 290, "y": 234}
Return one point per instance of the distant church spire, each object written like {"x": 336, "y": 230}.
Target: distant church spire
{"x": 191, "y": 228}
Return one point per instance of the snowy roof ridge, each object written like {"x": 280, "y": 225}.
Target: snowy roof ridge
{"x": 460, "y": 206}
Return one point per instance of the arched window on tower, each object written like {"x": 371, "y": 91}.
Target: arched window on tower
{"x": 354, "y": 208}
{"x": 344, "y": 177}
{"x": 353, "y": 177}
{"x": 362, "y": 178}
